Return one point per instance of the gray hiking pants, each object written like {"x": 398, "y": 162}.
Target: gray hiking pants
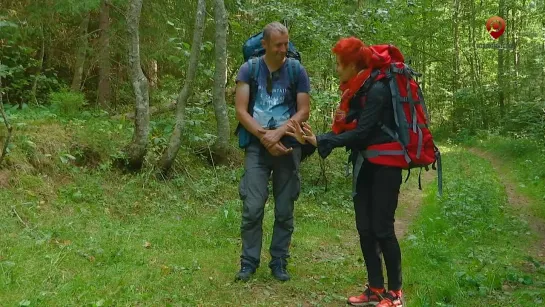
{"x": 254, "y": 192}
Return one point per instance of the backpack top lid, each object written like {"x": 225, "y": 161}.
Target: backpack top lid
{"x": 253, "y": 48}
{"x": 384, "y": 55}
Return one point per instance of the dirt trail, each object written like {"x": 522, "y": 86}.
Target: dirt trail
{"x": 410, "y": 199}
{"x": 519, "y": 202}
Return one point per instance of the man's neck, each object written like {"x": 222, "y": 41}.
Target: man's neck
{"x": 272, "y": 64}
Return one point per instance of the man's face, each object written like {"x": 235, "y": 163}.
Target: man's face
{"x": 277, "y": 45}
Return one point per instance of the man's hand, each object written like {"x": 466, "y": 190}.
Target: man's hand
{"x": 279, "y": 149}
{"x": 270, "y": 137}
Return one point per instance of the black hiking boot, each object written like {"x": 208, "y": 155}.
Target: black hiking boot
{"x": 278, "y": 269}
{"x": 245, "y": 273}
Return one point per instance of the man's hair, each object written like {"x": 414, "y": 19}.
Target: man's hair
{"x": 274, "y": 26}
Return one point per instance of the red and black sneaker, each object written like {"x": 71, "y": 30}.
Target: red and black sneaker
{"x": 369, "y": 297}
{"x": 392, "y": 299}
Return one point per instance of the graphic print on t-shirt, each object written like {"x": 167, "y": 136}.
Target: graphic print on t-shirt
{"x": 271, "y": 111}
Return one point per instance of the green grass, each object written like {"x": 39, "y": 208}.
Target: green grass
{"x": 89, "y": 235}
{"x": 526, "y": 159}
{"x": 87, "y": 244}
{"x": 470, "y": 247}
{"x": 80, "y": 233}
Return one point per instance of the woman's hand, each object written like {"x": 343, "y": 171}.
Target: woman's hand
{"x": 309, "y": 135}
{"x": 302, "y": 135}
{"x": 296, "y": 131}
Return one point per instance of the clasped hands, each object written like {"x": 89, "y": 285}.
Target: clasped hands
{"x": 271, "y": 138}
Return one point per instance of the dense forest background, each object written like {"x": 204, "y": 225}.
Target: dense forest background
{"x": 119, "y": 168}
{"x": 77, "y": 52}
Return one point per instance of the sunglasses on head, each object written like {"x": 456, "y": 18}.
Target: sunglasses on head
{"x": 270, "y": 78}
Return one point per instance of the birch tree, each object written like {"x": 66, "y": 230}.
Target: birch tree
{"x": 136, "y": 151}
{"x": 175, "y": 141}
{"x": 220, "y": 108}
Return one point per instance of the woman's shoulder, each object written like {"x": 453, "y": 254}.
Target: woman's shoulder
{"x": 380, "y": 86}
{"x": 379, "y": 89}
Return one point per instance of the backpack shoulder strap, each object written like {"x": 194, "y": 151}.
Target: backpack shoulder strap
{"x": 294, "y": 69}
{"x": 254, "y": 74}
{"x": 253, "y": 68}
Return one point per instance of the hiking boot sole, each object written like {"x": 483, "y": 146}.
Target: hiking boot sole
{"x": 243, "y": 279}
{"x": 362, "y": 304}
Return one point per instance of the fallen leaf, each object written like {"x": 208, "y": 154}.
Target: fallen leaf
{"x": 24, "y": 303}
{"x": 165, "y": 270}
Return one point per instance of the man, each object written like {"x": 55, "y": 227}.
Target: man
{"x": 270, "y": 150}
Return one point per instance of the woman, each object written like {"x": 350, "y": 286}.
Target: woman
{"x": 364, "y": 107}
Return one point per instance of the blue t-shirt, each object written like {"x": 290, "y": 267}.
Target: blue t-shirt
{"x": 272, "y": 111}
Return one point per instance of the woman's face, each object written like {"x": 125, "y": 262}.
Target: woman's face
{"x": 345, "y": 72}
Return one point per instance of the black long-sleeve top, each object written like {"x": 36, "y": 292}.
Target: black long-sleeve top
{"x": 371, "y": 108}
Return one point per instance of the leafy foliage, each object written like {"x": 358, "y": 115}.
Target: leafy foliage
{"x": 67, "y": 103}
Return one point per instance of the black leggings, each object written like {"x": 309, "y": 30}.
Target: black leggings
{"x": 375, "y": 204}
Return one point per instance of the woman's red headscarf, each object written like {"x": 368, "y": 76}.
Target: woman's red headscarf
{"x": 352, "y": 50}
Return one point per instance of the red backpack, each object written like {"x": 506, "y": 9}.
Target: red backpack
{"x": 414, "y": 146}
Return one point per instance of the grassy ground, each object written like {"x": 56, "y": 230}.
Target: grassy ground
{"x": 77, "y": 232}
{"x": 471, "y": 248}
{"x": 523, "y": 162}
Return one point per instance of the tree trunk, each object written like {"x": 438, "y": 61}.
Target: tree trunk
{"x": 456, "y": 62}
{"x": 80, "y": 57}
{"x": 153, "y": 73}
{"x": 543, "y": 70}
{"x": 518, "y": 29}
{"x": 509, "y": 65}
{"x": 40, "y": 67}
{"x": 474, "y": 67}
{"x": 424, "y": 57}
{"x": 104, "y": 91}
{"x": 6, "y": 122}
{"x": 360, "y": 4}
{"x": 167, "y": 159}
{"x": 501, "y": 67}
{"x": 220, "y": 108}
{"x": 136, "y": 151}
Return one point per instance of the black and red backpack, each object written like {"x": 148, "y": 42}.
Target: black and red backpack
{"x": 414, "y": 146}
